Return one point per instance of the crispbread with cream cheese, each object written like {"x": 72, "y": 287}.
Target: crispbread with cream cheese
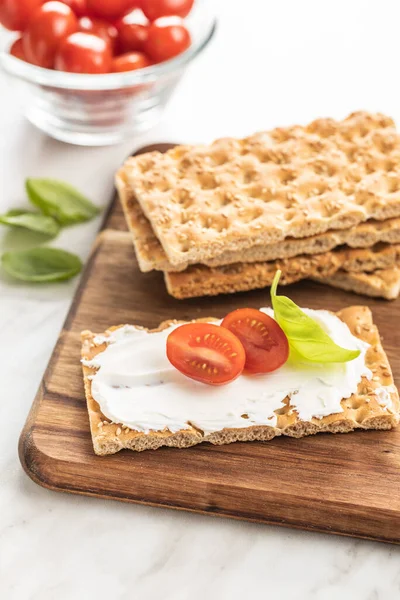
{"x": 363, "y": 410}
{"x": 151, "y": 256}
{"x": 295, "y": 181}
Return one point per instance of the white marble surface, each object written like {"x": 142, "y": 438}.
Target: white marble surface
{"x": 286, "y": 61}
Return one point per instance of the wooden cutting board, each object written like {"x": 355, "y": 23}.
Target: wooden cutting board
{"x": 345, "y": 483}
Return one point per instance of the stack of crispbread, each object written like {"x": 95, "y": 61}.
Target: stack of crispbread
{"x": 319, "y": 202}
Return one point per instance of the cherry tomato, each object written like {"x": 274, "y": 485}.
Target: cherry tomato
{"x": 50, "y": 24}
{"x": 131, "y": 61}
{"x": 110, "y": 9}
{"x": 168, "y": 37}
{"x": 264, "y": 341}
{"x": 133, "y": 31}
{"x": 79, "y": 7}
{"x": 15, "y": 14}
{"x": 83, "y": 53}
{"x": 206, "y": 353}
{"x": 17, "y": 50}
{"x": 101, "y": 28}
{"x": 153, "y": 9}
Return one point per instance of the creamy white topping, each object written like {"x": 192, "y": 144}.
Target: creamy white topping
{"x": 383, "y": 395}
{"x": 136, "y": 385}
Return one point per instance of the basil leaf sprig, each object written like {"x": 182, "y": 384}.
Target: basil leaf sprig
{"x": 306, "y": 337}
{"x": 60, "y": 200}
{"x": 41, "y": 264}
{"x": 29, "y": 220}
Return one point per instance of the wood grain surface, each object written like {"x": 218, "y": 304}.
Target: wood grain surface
{"x": 346, "y": 483}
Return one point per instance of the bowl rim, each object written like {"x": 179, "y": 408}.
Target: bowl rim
{"x": 109, "y": 81}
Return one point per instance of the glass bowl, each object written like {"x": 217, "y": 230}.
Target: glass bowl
{"x": 97, "y": 110}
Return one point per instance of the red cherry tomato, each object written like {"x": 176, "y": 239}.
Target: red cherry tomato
{"x": 83, "y": 53}
{"x": 153, "y": 9}
{"x": 15, "y": 14}
{"x": 168, "y": 37}
{"x": 206, "y": 353}
{"x": 49, "y": 25}
{"x": 264, "y": 341}
{"x": 133, "y": 31}
{"x": 101, "y": 28}
{"x": 17, "y": 50}
{"x": 110, "y": 9}
{"x": 131, "y": 61}
{"x": 79, "y": 7}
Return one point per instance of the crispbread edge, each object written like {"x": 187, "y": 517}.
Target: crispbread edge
{"x": 151, "y": 256}
{"x": 361, "y": 410}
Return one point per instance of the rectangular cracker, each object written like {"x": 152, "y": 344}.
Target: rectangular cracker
{"x": 383, "y": 283}
{"x": 199, "y": 280}
{"x": 362, "y": 410}
{"x": 294, "y": 181}
{"x": 151, "y": 256}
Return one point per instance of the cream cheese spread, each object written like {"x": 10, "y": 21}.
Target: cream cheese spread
{"x": 136, "y": 386}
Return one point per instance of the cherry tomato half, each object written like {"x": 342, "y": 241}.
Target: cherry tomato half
{"x": 15, "y": 14}
{"x": 110, "y": 9}
{"x": 133, "y": 31}
{"x": 79, "y": 7}
{"x": 83, "y": 53}
{"x": 101, "y": 28}
{"x": 50, "y": 24}
{"x": 168, "y": 37}
{"x": 131, "y": 61}
{"x": 17, "y": 50}
{"x": 153, "y": 9}
{"x": 264, "y": 341}
{"x": 206, "y": 353}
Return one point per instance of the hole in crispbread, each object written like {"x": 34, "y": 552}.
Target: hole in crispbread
{"x": 207, "y": 181}
{"x": 184, "y": 246}
{"x": 370, "y": 167}
{"x": 393, "y": 184}
{"x": 249, "y": 176}
{"x": 226, "y": 198}
{"x": 184, "y": 164}
{"x": 355, "y": 402}
{"x": 216, "y": 222}
{"x": 245, "y": 416}
{"x": 389, "y": 165}
{"x": 290, "y": 214}
{"x": 145, "y": 164}
{"x": 361, "y": 197}
{"x": 184, "y": 197}
{"x": 247, "y": 215}
{"x": 260, "y": 192}
{"x": 324, "y": 168}
{"x": 186, "y": 218}
{"x": 287, "y": 175}
{"x": 162, "y": 185}
{"x": 354, "y": 176}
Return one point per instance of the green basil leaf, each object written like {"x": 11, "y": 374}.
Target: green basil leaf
{"x": 306, "y": 337}
{"x": 41, "y": 264}
{"x": 32, "y": 221}
{"x": 60, "y": 200}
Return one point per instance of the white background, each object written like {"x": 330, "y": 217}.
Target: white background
{"x": 272, "y": 63}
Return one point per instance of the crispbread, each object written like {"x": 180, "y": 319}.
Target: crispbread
{"x": 296, "y": 181}
{"x": 199, "y": 280}
{"x": 361, "y": 411}
{"x": 151, "y": 256}
{"x": 383, "y": 283}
